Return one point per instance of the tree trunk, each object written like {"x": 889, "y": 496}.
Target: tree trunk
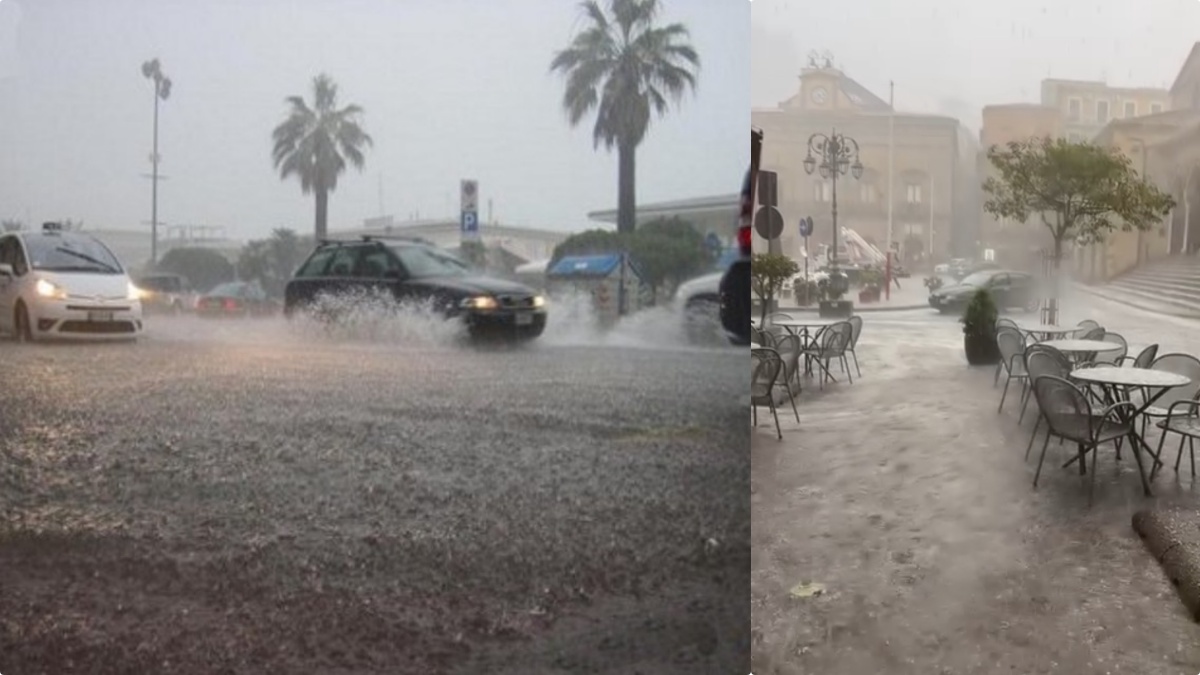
{"x": 322, "y": 214}
{"x": 626, "y": 183}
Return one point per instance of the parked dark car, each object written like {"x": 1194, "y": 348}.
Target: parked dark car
{"x": 1009, "y": 289}
{"x": 407, "y": 270}
{"x": 236, "y": 299}
{"x": 735, "y": 285}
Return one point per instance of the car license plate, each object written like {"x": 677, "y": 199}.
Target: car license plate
{"x": 100, "y": 316}
{"x": 524, "y": 319}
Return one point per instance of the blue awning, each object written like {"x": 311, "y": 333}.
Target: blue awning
{"x": 586, "y": 266}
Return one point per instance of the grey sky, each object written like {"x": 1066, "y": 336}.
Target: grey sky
{"x": 452, "y": 89}
{"x": 977, "y": 53}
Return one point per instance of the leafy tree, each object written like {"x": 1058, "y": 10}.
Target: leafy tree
{"x": 271, "y": 262}
{"x": 768, "y": 273}
{"x": 1080, "y": 191}
{"x": 668, "y": 252}
{"x": 624, "y": 66}
{"x": 588, "y": 242}
{"x": 203, "y": 267}
{"x": 314, "y": 144}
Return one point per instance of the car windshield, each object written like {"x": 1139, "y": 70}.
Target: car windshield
{"x": 979, "y": 279}
{"x": 71, "y": 254}
{"x": 422, "y": 261}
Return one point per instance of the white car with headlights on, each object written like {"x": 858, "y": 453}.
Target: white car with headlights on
{"x": 65, "y": 285}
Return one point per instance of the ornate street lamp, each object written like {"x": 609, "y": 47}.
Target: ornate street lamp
{"x": 162, "y": 89}
{"x": 832, "y": 156}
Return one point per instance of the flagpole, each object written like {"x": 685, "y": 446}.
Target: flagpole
{"x": 931, "y": 216}
{"x": 891, "y": 179}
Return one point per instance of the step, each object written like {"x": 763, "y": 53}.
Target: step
{"x": 1146, "y": 300}
{"x": 1167, "y": 289}
{"x": 1158, "y": 294}
{"x": 1160, "y": 276}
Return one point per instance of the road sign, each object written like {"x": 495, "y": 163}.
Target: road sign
{"x": 470, "y": 195}
{"x": 806, "y": 227}
{"x": 768, "y": 222}
{"x": 470, "y": 222}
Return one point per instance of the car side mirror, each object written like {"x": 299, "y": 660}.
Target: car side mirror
{"x": 6, "y": 270}
{"x": 394, "y": 275}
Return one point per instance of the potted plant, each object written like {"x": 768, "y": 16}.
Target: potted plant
{"x": 979, "y": 330}
{"x": 805, "y": 291}
{"x": 768, "y": 274}
{"x": 871, "y": 279}
{"x": 832, "y": 305}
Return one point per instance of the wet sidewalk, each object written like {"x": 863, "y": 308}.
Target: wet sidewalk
{"x": 906, "y": 497}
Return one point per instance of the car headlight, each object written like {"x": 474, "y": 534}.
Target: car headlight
{"x": 49, "y": 289}
{"x": 480, "y": 302}
{"x": 136, "y": 293}
{"x": 539, "y": 301}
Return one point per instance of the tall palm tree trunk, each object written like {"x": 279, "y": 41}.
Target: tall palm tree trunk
{"x": 322, "y": 213}
{"x": 626, "y": 188}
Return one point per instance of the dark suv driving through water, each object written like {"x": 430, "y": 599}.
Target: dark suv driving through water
{"x": 407, "y": 270}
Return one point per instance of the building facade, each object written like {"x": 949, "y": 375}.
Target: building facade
{"x": 1013, "y": 244}
{"x": 933, "y": 192}
{"x": 1136, "y": 121}
{"x": 1087, "y": 106}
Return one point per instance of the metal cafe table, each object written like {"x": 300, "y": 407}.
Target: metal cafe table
{"x": 1116, "y": 382}
{"x": 1045, "y": 333}
{"x": 803, "y": 325}
{"x": 1075, "y": 348}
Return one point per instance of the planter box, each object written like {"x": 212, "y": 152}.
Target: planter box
{"x": 869, "y": 295}
{"x": 981, "y": 350}
{"x": 835, "y": 309}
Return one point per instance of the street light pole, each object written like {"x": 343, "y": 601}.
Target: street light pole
{"x": 837, "y": 154}
{"x": 162, "y": 89}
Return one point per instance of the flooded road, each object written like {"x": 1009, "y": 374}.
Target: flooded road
{"x": 906, "y": 498}
{"x": 246, "y": 498}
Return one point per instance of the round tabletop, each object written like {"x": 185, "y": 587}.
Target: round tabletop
{"x": 1130, "y": 377}
{"x": 1048, "y": 330}
{"x": 1082, "y": 345}
{"x": 806, "y": 323}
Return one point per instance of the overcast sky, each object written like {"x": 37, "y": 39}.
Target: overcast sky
{"x": 452, "y": 89}
{"x": 956, "y": 57}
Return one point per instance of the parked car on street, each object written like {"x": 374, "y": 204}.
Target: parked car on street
{"x": 64, "y": 285}
{"x": 1008, "y": 288}
{"x": 236, "y": 299}
{"x": 403, "y": 270}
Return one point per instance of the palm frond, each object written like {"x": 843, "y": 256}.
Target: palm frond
{"x": 625, "y": 68}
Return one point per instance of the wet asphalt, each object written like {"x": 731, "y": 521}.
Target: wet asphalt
{"x": 906, "y": 497}
{"x": 578, "y": 504}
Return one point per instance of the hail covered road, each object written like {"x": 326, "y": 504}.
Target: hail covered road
{"x": 229, "y": 497}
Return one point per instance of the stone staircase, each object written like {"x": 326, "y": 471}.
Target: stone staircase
{"x": 1168, "y": 287}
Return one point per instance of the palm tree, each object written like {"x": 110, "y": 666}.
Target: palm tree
{"x": 624, "y": 66}
{"x": 314, "y": 144}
